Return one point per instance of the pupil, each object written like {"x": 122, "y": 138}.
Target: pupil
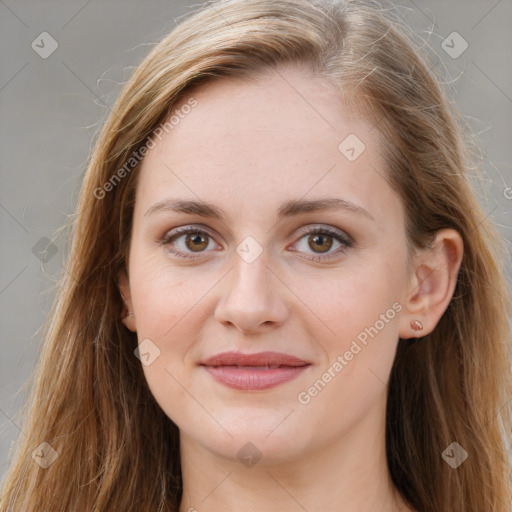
{"x": 320, "y": 238}
{"x": 197, "y": 240}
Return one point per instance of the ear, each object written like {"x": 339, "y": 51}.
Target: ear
{"x": 128, "y": 317}
{"x": 432, "y": 283}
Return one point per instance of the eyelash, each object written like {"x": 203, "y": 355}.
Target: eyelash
{"x": 345, "y": 240}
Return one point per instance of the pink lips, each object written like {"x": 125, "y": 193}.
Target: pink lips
{"x": 252, "y": 372}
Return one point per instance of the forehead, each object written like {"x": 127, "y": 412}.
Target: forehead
{"x": 280, "y": 137}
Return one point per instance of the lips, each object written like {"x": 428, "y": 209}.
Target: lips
{"x": 252, "y": 372}
{"x": 274, "y": 359}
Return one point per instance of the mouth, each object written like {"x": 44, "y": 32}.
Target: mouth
{"x": 254, "y": 372}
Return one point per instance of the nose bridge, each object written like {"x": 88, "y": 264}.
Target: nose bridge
{"x": 251, "y": 276}
{"x": 251, "y": 273}
{"x": 251, "y": 295}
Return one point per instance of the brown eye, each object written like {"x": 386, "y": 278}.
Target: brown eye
{"x": 187, "y": 242}
{"x": 196, "y": 241}
{"x": 320, "y": 242}
{"x": 190, "y": 242}
{"x": 323, "y": 242}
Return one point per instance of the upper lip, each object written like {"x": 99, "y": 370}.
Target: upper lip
{"x": 257, "y": 359}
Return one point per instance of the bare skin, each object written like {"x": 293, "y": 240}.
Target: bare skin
{"x": 249, "y": 148}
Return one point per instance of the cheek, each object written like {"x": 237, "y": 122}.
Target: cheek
{"x": 362, "y": 309}
{"x": 344, "y": 304}
{"x": 164, "y": 295}
{"x": 358, "y": 310}
{"x": 166, "y": 300}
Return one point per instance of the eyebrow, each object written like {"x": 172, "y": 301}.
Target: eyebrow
{"x": 287, "y": 209}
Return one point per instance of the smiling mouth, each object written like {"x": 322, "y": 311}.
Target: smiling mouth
{"x": 257, "y": 360}
{"x": 254, "y": 372}
{"x": 267, "y": 367}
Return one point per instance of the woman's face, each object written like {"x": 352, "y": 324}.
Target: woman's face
{"x": 265, "y": 274}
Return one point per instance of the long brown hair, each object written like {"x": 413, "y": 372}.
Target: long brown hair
{"x": 116, "y": 449}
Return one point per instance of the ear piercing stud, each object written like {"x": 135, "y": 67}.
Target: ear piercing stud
{"x": 416, "y": 325}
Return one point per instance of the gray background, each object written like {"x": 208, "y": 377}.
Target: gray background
{"x": 51, "y": 109}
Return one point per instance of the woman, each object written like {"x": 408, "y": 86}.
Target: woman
{"x": 281, "y": 293}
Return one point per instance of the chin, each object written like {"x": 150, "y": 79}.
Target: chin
{"x": 253, "y": 440}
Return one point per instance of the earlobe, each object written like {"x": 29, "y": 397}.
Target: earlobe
{"x": 432, "y": 284}
{"x": 128, "y": 317}
{"x": 128, "y": 320}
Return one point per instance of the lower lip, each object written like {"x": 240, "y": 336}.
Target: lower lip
{"x": 254, "y": 380}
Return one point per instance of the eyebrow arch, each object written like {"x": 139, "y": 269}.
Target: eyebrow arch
{"x": 287, "y": 209}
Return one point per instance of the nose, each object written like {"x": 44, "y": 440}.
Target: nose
{"x": 253, "y": 298}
